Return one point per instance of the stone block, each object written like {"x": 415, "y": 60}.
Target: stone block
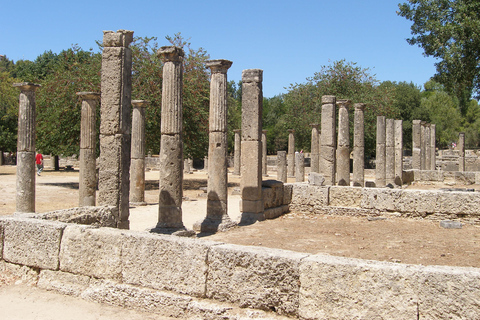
{"x": 121, "y": 38}
{"x": 63, "y": 282}
{"x": 417, "y": 202}
{"x": 287, "y": 193}
{"x": 345, "y": 196}
{"x": 310, "y": 195}
{"x": 31, "y": 242}
{"x": 448, "y": 293}
{"x": 272, "y": 191}
{"x": 255, "y": 277}
{"x": 1, "y": 239}
{"x": 380, "y": 199}
{"x": 316, "y": 179}
{"x": 251, "y": 181}
{"x": 92, "y": 216}
{"x": 456, "y": 202}
{"x": 341, "y": 288}
{"x": 272, "y": 213}
{"x": 92, "y": 252}
{"x": 449, "y": 224}
{"x": 165, "y": 262}
{"x": 465, "y": 177}
{"x": 252, "y": 206}
{"x": 19, "y": 273}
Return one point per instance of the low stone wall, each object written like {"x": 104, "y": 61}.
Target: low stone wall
{"x": 431, "y": 204}
{"x": 453, "y": 177}
{"x": 210, "y": 280}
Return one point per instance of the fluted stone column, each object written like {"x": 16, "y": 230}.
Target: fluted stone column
{"x": 390, "y": 152}
{"x": 422, "y": 145}
{"x": 25, "y": 197}
{"x": 237, "y": 152}
{"x": 137, "y": 164}
{"x": 315, "y": 144}
{"x": 428, "y": 151}
{"x": 171, "y": 146}
{"x": 291, "y": 154}
{"x": 461, "y": 149}
{"x": 359, "y": 145}
{"x": 87, "y": 186}
{"x": 114, "y": 163}
{"x": 433, "y": 147}
{"x": 380, "y": 178}
{"x": 217, "y": 218}
{"x": 299, "y": 167}
{"x": 282, "y": 166}
{"x": 251, "y": 175}
{"x": 416, "y": 144}
{"x": 264, "y": 152}
{"x": 343, "y": 144}
{"x": 398, "y": 152}
{"x": 328, "y": 140}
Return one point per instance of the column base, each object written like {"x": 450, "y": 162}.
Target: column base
{"x": 250, "y": 218}
{"x": 214, "y": 225}
{"x": 179, "y": 232}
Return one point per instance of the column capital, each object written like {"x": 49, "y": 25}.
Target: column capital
{"x": 344, "y": 103}
{"x": 360, "y": 106}
{"x": 27, "y": 86}
{"x": 121, "y": 38}
{"x": 170, "y": 54}
{"x": 252, "y": 75}
{"x": 417, "y": 122}
{"x": 427, "y": 125}
{"x": 139, "y": 103}
{"x": 423, "y": 123}
{"x": 291, "y": 130}
{"x": 89, "y": 95}
{"x": 219, "y": 65}
{"x": 314, "y": 125}
{"x": 328, "y": 99}
{"x": 237, "y": 130}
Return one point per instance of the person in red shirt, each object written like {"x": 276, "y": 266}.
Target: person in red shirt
{"x": 39, "y": 162}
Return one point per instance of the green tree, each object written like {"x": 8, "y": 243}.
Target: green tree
{"x": 449, "y": 30}
{"x": 8, "y": 113}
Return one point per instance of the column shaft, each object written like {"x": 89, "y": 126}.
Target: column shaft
{"x": 291, "y": 153}
{"x": 282, "y": 166}
{"x": 380, "y": 153}
{"x": 328, "y": 140}
{"x": 359, "y": 146}
{"x": 315, "y": 144}
{"x": 428, "y": 151}
{"x": 461, "y": 150}
{"x": 137, "y": 164}
{"x": 390, "y": 152}
{"x": 264, "y": 152}
{"x": 299, "y": 167}
{"x": 416, "y": 144}
{"x": 398, "y": 152}
{"x": 433, "y": 147}
{"x": 343, "y": 144}
{"x": 237, "y": 152}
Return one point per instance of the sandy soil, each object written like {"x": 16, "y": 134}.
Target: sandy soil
{"x": 394, "y": 239}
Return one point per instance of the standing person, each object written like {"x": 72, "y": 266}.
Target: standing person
{"x": 39, "y": 162}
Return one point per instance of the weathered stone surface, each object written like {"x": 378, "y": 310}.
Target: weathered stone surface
{"x": 272, "y": 193}
{"x": 237, "y": 152}
{"x": 272, "y": 213}
{"x": 31, "y": 242}
{"x": 137, "y": 181}
{"x": 23, "y": 274}
{"x": 459, "y": 203}
{"x": 121, "y": 38}
{"x": 165, "y": 262}
{"x": 399, "y": 152}
{"x": 92, "y": 252}
{"x": 342, "y": 288}
{"x": 282, "y": 166}
{"x": 25, "y": 197}
{"x": 345, "y": 196}
{"x": 251, "y": 182}
{"x": 217, "y": 182}
{"x": 448, "y": 293}
{"x": 254, "y": 277}
{"x": 26, "y": 117}
{"x": 328, "y": 140}
{"x": 343, "y": 144}
{"x": 316, "y": 179}
{"x": 252, "y": 102}
{"x": 449, "y": 224}
{"x": 313, "y": 196}
{"x": 359, "y": 145}
{"x": 299, "y": 167}
{"x": 87, "y": 177}
{"x": 416, "y": 144}
{"x": 327, "y": 164}
{"x": 314, "y": 148}
{"x": 381, "y": 199}
{"x": 390, "y": 152}
{"x": 291, "y": 153}
{"x": 1, "y": 239}
{"x": 380, "y": 153}
{"x": 63, "y": 282}
{"x": 92, "y": 216}
{"x": 287, "y": 193}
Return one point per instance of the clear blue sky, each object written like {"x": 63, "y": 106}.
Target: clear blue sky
{"x": 289, "y": 40}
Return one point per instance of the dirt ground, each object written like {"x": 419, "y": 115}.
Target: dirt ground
{"x": 393, "y": 239}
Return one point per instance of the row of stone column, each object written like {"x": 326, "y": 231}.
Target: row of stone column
{"x": 423, "y": 145}
{"x": 389, "y": 152}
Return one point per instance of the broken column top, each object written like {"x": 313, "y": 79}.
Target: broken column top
{"x": 252, "y": 75}
{"x": 219, "y": 65}
{"x": 291, "y": 130}
{"x": 314, "y": 125}
{"x": 89, "y": 95}
{"x": 139, "y": 103}
{"x": 121, "y": 38}
{"x": 237, "y": 130}
{"x": 328, "y": 99}
{"x": 27, "y": 86}
{"x": 170, "y": 54}
{"x": 359, "y": 106}
{"x": 343, "y": 102}
{"x": 416, "y": 121}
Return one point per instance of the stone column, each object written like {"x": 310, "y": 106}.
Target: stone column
{"x": 390, "y": 152}
{"x": 299, "y": 167}
{"x": 328, "y": 140}
{"x": 205, "y": 164}
{"x": 25, "y": 197}
{"x": 137, "y": 163}
{"x": 282, "y": 166}
{"x": 380, "y": 153}
{"x": 398, "y": 152}
{"x": 359, "y": 145}
{"x": 237, "y": 152}
{"x": 217, "y": 218}
{"x": 422, "y": 145}
{"x": 416, "y": 144}
{"x": 433, "y": 147}
{"x": 87, "y": 186}
{"x": 315, "y": 144}
{"x": 264, "y": 152}
{"x": 114, "y": 163}
{"x": 171, "y": 145}
{"x": 291, "y": 154}
{"x": 343, "y": 144}
{"x": 251, "y": 175}
{"x": 461, "y": 149}
{"x": 428, "y": 152}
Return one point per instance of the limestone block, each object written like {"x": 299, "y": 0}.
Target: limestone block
{"x": 171, "y": 162}
{"x": 460, "y": 203}
{"x": 310, "y": 195}
{"x": 428, "y": 175}
{"x": 63, "y": 282}
{"x": 121, "y": 38}
{"x": 31, "y": 242}
{"x": 165, "y": 262}
{"x": 287, "y": 193}
{"x": 477, "y": 177}
{"x": 345, "y": 196}
{"x": 255, "y": 277}
{"x": 252, "y": 206}
{"x": 1, "y": 239}
{"x": 272, "y": 193}
{"x": 272, "y": 213}
{"x": 25, "y": 196}
{"x": 338, "y": 288}
{"x": 251, "y": 170}
{"x": 92, "y": 216}
{"x": 138, "y": 298}
{"x": 92, "y": 252}
{"x": 252, "y": 102}
{"x": 316, "y": 179}
{"x": 448, "y": 293}
{"x": 417, "y": 202}
{"x": 25, "y": 275}
{"x": 465, "y": 177}
{"x": 380, "y": 199}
